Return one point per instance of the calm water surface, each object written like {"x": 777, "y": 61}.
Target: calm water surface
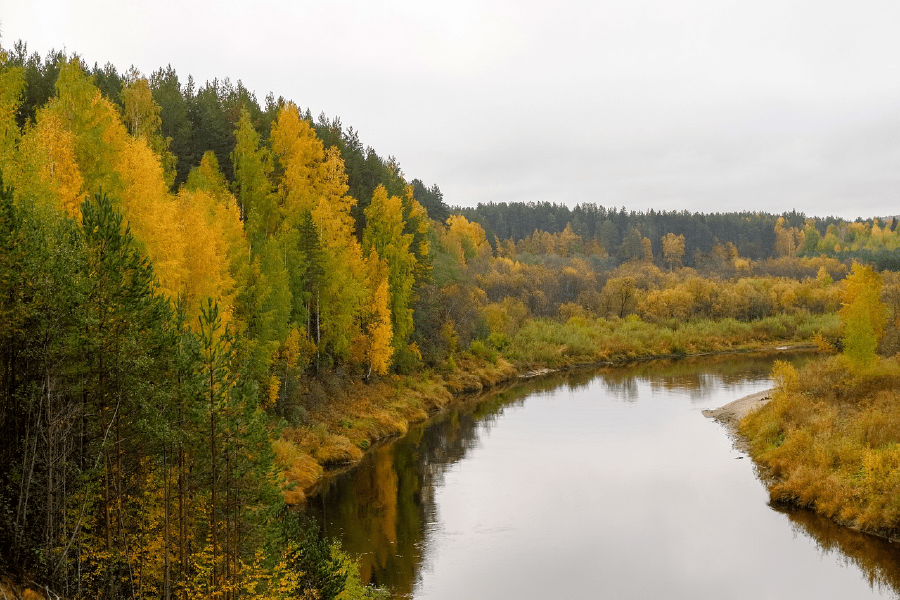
{"x": 605, "y": 484}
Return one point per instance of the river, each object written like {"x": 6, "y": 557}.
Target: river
{"x": 593, "y": 484}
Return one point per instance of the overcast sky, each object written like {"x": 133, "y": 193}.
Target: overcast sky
{"x": 703, "y": 105}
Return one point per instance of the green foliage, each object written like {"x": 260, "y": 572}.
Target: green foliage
{"x": 91, "y": 342}
{"x": 753, "y": 235}
{"x": 252, "y": 167}
{"x": 481, "y": 350}
{"x": 579, "y": 340}
{"x": 318, "y": 560}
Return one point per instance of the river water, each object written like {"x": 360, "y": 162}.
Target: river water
{"x": 595, "y": 484}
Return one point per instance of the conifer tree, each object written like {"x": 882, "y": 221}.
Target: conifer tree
{"x": 12, "y": 85}
{"x": 252, "y": 168}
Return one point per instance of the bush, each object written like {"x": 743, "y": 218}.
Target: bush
{"x": 317, "y": 560}
{"x": 480, "y": 350}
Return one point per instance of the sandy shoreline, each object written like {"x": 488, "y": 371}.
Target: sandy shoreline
{"x": 733, "y": 412}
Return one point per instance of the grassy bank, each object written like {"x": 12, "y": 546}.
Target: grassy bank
{"x": 830, "y": 438}
{"x": 348, "y": 416}
{"x": 580, "y": 340}
{"x": 355, "y": 414}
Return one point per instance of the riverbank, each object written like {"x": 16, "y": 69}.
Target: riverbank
{"x": 357, "y": 415}
{"x": 828, "y": 438}
{"x": 349, "y": 417}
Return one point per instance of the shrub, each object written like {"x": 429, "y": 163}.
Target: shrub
{"x": 831, "y": 435}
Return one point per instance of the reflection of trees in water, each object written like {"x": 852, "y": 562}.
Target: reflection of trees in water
{"x": 874, "y": 556}
{"x": 381, "y": 510}
{"x": 697, "y": 376}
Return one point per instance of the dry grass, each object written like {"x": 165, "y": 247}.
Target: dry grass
{"x": 473, "y": 374}
{"x": 300, "y": 470}
{"x": 9, "y": 590}
{"x": 353, "y": 416}
{"x": 831, "y": 437}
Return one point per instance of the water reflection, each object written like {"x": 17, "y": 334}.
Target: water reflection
{"x": 696, "y": 376}
{"x": 379, "y": 509}
{"x": 386, "y": 510}
{"x": 877, "y": 558}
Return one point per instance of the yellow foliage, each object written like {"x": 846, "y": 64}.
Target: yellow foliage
{"x": 140, "y": 110}
{"x": 379, "y": 327}
{"x": 833, "y": 441}
{"x": 380, "y": 330}
{"x": 96, "y": 125}
{"x": 823, "y": 344}
{"x": 297, "y": 350}
{"x": 334, "y": 190}
{"x": 449, "y": 336}
{"x": 785, "y": 376}
{"x": 152, "y": 214}
{"x": 863, "y": 313}
{"x": 48, "y": 155}
{"x": 205, "y": 254}
{"x": 274, "y": 388}
{"x": 419, "y": 216}
{"x": 571, "y": 310}
{"x": 291, "y": 348}
{"x": 669, "y": 303}
{"x": 12, "y": 83}
{"x": 301, "y": 155}
{"x": 465, "y": 240}
{"x": 208, "y": 177}
{"x": 673, "y": 249}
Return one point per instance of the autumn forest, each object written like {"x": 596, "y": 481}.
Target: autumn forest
{"x": 206, "y": 302}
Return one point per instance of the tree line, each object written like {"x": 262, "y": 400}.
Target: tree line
{"x": 756, "y": 235}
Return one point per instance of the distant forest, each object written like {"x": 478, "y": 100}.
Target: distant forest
{"x": 754, "y": 234}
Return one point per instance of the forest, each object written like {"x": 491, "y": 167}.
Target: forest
{"x": 205, "y": 302}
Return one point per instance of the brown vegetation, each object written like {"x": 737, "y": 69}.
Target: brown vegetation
{"x": 830, "y": 438}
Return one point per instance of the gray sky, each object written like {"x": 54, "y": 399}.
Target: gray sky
{"x": 703, "y": 105}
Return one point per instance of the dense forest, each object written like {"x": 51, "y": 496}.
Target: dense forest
{"x": 756, "y": 236}
{"x": 190, "y": 284}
